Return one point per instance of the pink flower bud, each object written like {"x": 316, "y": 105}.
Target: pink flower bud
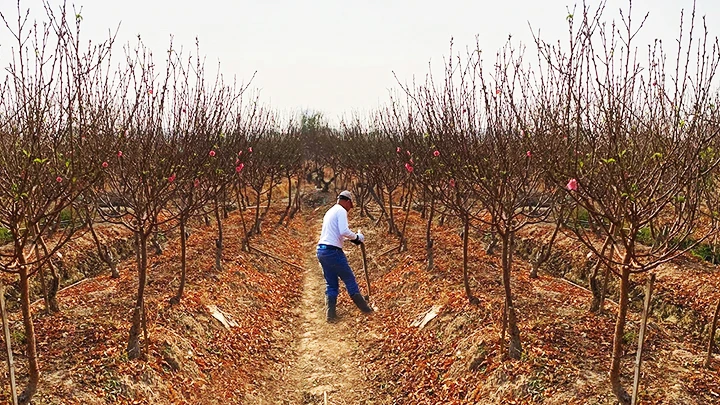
{"x": 436, "y": 153}
{"x": 528, "y": 154}
{"x": 119, "y": 154}
{"x": 196, "y": 183}
{"x": 572, "y": 185}
{"x": 408, "y": 152}
{"x": 398, "y": 150}
{"x": 171, "y": 178}
{"x": 239, "y": 168}
{"x": 212, "y": 153}
{"x": 452, "y": 182}
{"x": 104, "y": 164}
{"x": 408, "y": 167}
{"x": 239, "y": 153}
{"x": 250, "y": 149}
{"x": 59, "y": 179}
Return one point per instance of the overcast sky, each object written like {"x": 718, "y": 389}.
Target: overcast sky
{"x": 337, "y": 56}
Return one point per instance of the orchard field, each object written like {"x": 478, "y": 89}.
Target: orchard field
{"x": 538, "y": 229}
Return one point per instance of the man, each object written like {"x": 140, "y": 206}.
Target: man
{"x": 335, "y": 231}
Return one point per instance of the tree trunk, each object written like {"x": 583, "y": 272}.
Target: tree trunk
{"x": 269, "y": 197}
{"x": 183, "y": 261}
{"x": 245, "y": 240}
{"x": 466, "y": 279}
{"x": 289, "y": 205}
{"x": 403, "y": 239}
{"x": 391, "y": 217}
{"x": 597, "y": 294}
{"x": 711, "y": 338}
{"x": 603, "y": 290}
{"x": 31, "y": 347}
{"x": 490, "y": 249}
{"x": 103, "y": 251}
{"x": 298, "y": 200}
{"x": 50, "y": 292}
{"x": 224, "y": 199}
{"x": 544, "y": 252}
{"x": 515, "y": 346}
{"x": 618, "y": 390}
{"x": 43, "y": 284}
{"x": 219, "y": 241}
{"x": 134, "y": 350}
{"x": 256, "y": 225}
{"x": 428, "y": 239}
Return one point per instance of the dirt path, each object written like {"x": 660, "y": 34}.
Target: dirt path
{"x": 323, "y": 365}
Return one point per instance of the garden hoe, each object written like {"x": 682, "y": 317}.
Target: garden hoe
{"x": 367, "y": 275}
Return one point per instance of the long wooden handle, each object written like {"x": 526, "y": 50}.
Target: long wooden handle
{"x": 367, "y": 275}
{"x": 6, "y": 331}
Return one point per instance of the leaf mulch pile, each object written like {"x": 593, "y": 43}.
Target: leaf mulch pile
{"x": 191, "y": 357}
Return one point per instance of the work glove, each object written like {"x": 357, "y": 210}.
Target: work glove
{"x": 360, "y": 238}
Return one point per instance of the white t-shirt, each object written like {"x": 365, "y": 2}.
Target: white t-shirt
{"x": 335, "y": 227}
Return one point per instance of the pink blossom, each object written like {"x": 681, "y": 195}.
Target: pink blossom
{"x": 196, "y": 183}
{"x": 250, "y": 149}
{"x": 239, "y": 153}
{"x": 572, "y": 185}
{"x": 528, "y": 154}
{"x": 237, "y": 161}
{"x": 119, "y": 154}
{"x": 408, "y": 152}
{"x": 212, "y": 153}
{"x": 171, "y": 178}
{"x": 452, "y": 182}
{"x": 239, "y": 167}
{"x": 105, "y": 164}
{"x": 408, "y": 167}
{"x": 398, "y": 150}
{"x": 150, "y": 91}
{"x": 59, "y": 179}
{"x": 497, "y": 91}
{"x": 411, "y": 162}
{"x": 436, "y": 153}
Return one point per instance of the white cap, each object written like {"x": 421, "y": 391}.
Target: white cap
{"x": 345, "y": 195}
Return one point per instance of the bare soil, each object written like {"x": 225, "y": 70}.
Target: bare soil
{"x": 325, "y": 363}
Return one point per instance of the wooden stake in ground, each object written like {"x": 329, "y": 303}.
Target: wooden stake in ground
{"x": 711, "y": 338}
{"x": 641, "y": 337}
{"x": 6, "y": 330}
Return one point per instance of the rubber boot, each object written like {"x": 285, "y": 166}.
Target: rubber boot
{"x": 330, "y": 304}
{"x": 360, "y": 302}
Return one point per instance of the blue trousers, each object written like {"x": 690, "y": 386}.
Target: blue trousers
{"x": 335, "y": 266}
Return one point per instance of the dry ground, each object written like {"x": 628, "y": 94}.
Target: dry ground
{"x": 280, "y": 351}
